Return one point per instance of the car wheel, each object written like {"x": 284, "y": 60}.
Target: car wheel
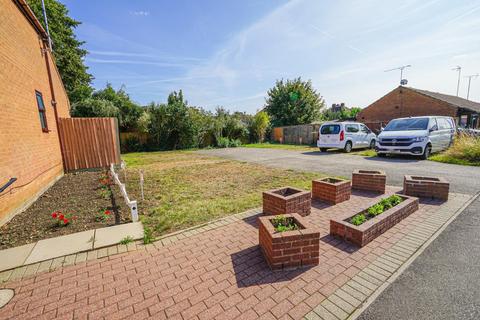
{"x": 348, "y": 147}
{"x": 427, "y": 152}
{"x": 323, "y": 149}
{"x": 372, "y": 144}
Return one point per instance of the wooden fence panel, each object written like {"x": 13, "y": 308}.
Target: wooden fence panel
{"x": 89, "y": 142}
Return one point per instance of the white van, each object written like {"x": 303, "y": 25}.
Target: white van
{"x": 345, "y": 135}
{"x": 416, "y": 136}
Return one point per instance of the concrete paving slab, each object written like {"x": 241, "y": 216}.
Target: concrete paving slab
{"x": 14, "y": 257}
{"x": 61, "y": 246}
{"x": 105, "y": 237}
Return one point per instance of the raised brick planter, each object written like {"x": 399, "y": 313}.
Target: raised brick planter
{"x": 369, "y": 180}
{"x": 331, "y": 190}
{"x": 369, "y": 230}
{"x": 289, "y": 249}
{"x": 287, "y": 200}
{"x": 426, "y": 187}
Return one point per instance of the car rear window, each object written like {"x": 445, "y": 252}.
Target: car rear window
{"x": 330, "y": 129}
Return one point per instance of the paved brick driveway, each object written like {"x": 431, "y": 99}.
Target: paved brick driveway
{"x": 216, "y": 274}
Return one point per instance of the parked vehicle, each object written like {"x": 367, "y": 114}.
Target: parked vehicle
{"x": 419, "y": 136}
{"x": 346, "y": 136}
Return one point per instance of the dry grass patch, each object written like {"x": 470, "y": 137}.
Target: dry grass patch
{"x": 465, "y": 151}
{"x": 183, "y": 189}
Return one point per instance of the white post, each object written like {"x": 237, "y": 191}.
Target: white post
{"x": 134, "y": 210}
{"x": 141, "y": 183}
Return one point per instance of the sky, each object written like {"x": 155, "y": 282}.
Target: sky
{"x": 229, "y": 53}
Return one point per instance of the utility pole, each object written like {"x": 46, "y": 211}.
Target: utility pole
{"x": 401, "y": 72}
{"x": 469, "y": 80}
{"x": 459, "y": 69}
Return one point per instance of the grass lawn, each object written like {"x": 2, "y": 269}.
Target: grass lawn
{"x": 272, "y": 145}
{"x": 183, "y": 189}
{"x": 447, "y": 158}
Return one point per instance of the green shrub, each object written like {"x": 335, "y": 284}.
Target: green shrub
{"x": 375, "y": 210}
{"x": 282, "y": 223}
{"x": 358, "y": 219}
{"x": 223, "y": 142}
{"x": 235, "y": 143}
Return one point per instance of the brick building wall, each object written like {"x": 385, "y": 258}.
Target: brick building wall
{"x": 403, "y": 102}
{"x": 26, "y": 152}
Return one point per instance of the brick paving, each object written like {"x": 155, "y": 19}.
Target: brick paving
{"x": 218, "y": 272}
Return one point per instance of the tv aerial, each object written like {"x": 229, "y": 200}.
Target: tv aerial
{"x": 402, "y": 81}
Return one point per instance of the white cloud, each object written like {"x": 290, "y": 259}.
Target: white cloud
{"x": 140, "y": 13}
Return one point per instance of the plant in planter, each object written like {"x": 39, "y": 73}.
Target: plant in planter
{"x": 63, "y": 219}
{"x": 371, "y": 222}
{"x": 103, "y": 215}
{"x": 288, "y": 241}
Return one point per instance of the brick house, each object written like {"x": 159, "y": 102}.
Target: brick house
{"x": 32, "y": 99}
{"x": 411, "y": 102}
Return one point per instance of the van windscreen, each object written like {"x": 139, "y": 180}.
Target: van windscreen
{"x": 330, "y": 129}
{"x": 407, "y": 124}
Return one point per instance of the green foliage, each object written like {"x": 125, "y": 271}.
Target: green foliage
{"x": 126, "y": 240}
{"x": 91, "y": 107}
{"x": 148, "y": 235}
{"x": 384, "y": 205}
{"x": 344, "y": 114}
{"x": 464, "y": 151}
{"x": 259, "y": 126}
{"x": 132, "y": 144}
{"x": 67, "y": 49}
{"x": 358, "y": 219}
{"x": 282, "y": 223}
{"x": 129, "y": 112}
{"x": 375, "y": 210}
{"x": 293, "y": 102}
{"x": 171, "y": 125}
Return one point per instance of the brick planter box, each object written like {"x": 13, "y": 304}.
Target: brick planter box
{"x": 369, "y": 230}
{"x": 331, "y": 190}
{"x": 287, "y": 200}
{"x": 426, "y": 187}
{"x": 369, "y": 180}
{"x": 289, "y": 249}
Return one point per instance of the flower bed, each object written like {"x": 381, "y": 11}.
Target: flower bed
{"x": 288, "y": 241}
{"x": 286, "y": 200}
{"x": 331, "y": 190}
{"x": 369, "y": 180}
{"x": 368, "y": 224}
{"x": 426, "y": 187}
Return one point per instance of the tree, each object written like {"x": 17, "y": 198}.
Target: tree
{"x": 344, "y": 114}
{"x": 91, "y": 107}
{"x": 130, "y": 112}
{"x": 171, "y": 126}
{"x": 67, "y": 49}
{"x": 293, "y": 102}
{"x": 259, "y": 126}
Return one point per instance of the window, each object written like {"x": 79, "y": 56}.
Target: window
{"x": 330, "y": 129}
{"x": 365, "y": 129}
{"x": 443, "y": 124}
{"x": 351, "y": 128}
{"x": 407, "y": 124}
{"x": 41, "y": 111}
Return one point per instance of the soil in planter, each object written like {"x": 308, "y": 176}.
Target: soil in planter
{"x": 375, "y": 210}
{"x": 287, "y": 192}
{"x": 368, "y": 172}
{"x": 78, "y": 194}
{"x": 331, "y": 180}
{"x": 282, "y": 224}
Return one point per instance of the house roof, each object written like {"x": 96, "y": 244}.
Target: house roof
{"x": 28, "y": 13}
{"x": 452, "y": 100}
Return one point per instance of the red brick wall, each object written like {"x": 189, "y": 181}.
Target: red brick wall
{"x": 403, "y": 102}
{"x": 369, "y": 180}
{"x": 27, "y": 153}
{"x": 331, "y": 192}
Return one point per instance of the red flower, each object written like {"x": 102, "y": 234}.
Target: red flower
{"x": 54, "y": 215}
{"x": 108, "y": 212}
{"x": 65, "y": 221}
{"x": 61, "y": 216}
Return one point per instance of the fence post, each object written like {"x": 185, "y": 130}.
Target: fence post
{"x": 141, "y": 183}
{"x": 134, "y": 210}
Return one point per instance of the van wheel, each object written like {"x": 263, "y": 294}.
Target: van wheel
{"x": 348, "y": 147}
{"x": 427, "y": 152}
{"x": 323, "y": 149}
{"x": 372, "y": 144}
